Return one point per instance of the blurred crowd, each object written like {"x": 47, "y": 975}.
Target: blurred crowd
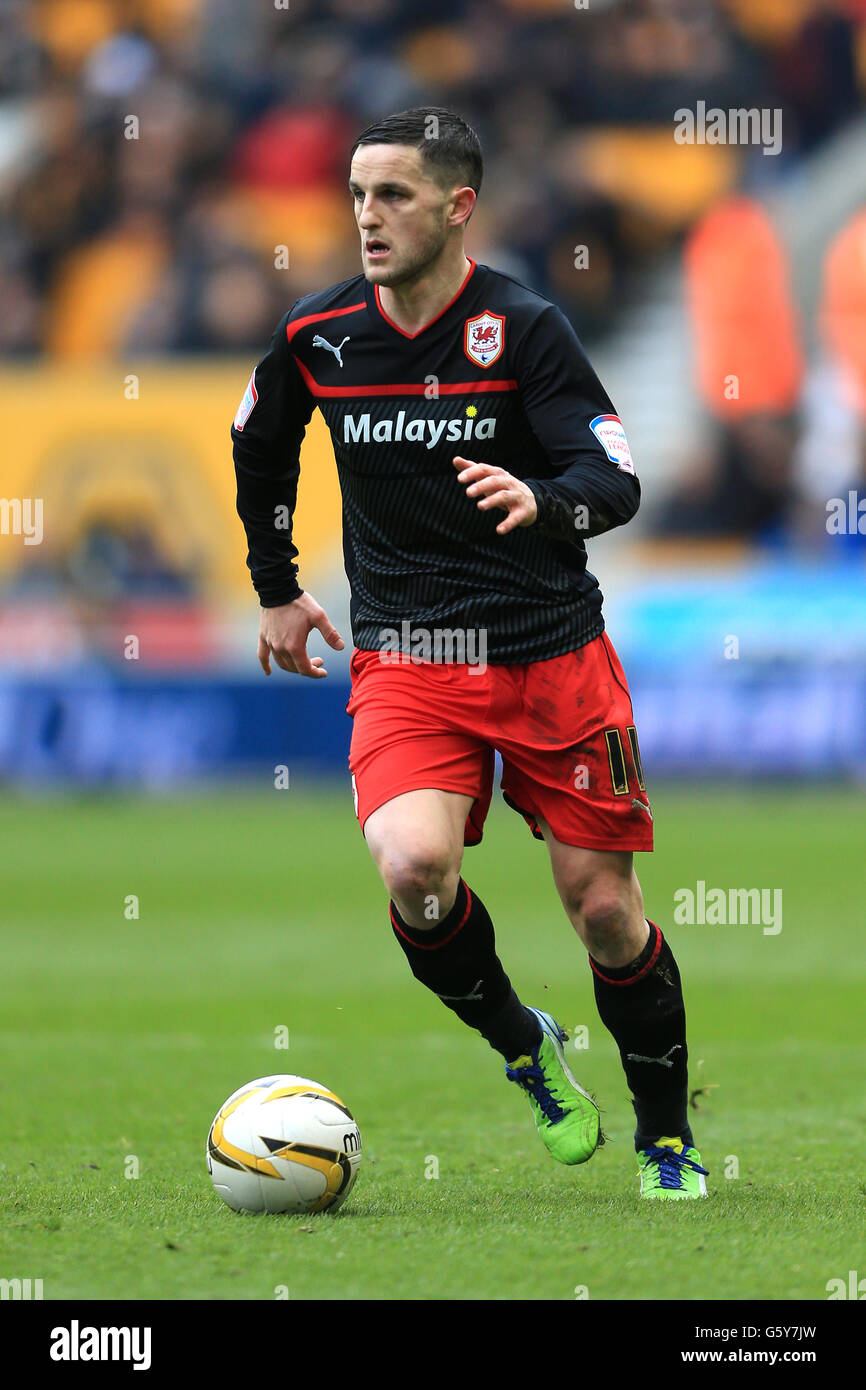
{"x": 154, "y": 154}
{"x": 173, "y": 172}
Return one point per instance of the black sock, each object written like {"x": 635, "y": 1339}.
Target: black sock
{"x": 457, "y": 960}
{"x": 642, "y": 1006}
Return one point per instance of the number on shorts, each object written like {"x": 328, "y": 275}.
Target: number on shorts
{"x": 635, "y": 756}
{"x": 616, "y": 758}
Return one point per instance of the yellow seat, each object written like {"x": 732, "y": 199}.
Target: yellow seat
{"x": 101, "y": 287}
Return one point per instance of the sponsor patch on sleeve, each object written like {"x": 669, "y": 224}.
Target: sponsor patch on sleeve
{"x": 250, "y": 397}
{"x": 610, "y": 434}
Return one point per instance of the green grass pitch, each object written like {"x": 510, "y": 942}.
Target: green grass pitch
{"x": 121, "y": 1037}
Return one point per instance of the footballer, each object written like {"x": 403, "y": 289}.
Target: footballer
{"x": 477, "y": 452}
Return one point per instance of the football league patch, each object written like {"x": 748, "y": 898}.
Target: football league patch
{"x": 484, "y": 338}
{"x": 610, "y": 434}
{"x": 250, "y": 397}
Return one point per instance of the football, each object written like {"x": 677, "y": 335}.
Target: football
{"x": 283, "y": 1144}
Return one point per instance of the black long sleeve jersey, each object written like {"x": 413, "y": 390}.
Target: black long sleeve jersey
{"x": 498, "y": 377}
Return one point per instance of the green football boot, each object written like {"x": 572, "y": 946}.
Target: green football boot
{"x": 671, "y": 1172}
{"x": 566, "y": 1116}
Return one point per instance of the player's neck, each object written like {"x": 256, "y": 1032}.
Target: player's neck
{"x": 413, "y": 305}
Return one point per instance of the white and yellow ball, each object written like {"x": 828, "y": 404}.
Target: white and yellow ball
{"x": 283, "y": 1144}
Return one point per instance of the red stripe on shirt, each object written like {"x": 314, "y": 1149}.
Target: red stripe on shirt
{"x": 406, "y": 388}
{"x": 292, "y": 328}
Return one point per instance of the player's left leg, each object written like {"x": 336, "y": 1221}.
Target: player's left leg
{"x": 640, "y": 1001}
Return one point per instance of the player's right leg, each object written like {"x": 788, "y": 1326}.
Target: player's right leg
{"x": 416, "y": 840}
{"x": 423, "y": 779}
{"x": 445, "y": 931}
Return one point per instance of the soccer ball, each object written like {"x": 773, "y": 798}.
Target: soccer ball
{"x": 283, "y": 1144}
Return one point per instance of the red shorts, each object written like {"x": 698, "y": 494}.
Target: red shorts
{"x": 564, "y": 728}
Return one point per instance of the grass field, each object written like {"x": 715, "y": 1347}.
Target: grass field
{"x": 122, "y": 1037}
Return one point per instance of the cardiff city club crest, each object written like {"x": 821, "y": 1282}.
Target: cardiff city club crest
{"x": 484, "y": 338}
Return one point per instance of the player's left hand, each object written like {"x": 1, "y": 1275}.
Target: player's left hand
{"x": 496, "y": 488}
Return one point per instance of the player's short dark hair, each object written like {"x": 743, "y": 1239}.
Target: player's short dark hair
{"x": 446, "y": 142}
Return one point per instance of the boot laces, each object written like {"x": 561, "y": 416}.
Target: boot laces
{"x": 671, "y": 1165}
{"x": 533, "y": 1080}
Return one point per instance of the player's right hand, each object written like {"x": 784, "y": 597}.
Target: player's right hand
{"x": 283, "y": 634}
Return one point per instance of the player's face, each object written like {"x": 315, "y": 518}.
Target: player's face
{"x": 402, "y": 213}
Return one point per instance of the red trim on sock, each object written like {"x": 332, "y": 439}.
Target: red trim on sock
{"x": 436, "y": 944}
{"x": 633, "y": 979}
